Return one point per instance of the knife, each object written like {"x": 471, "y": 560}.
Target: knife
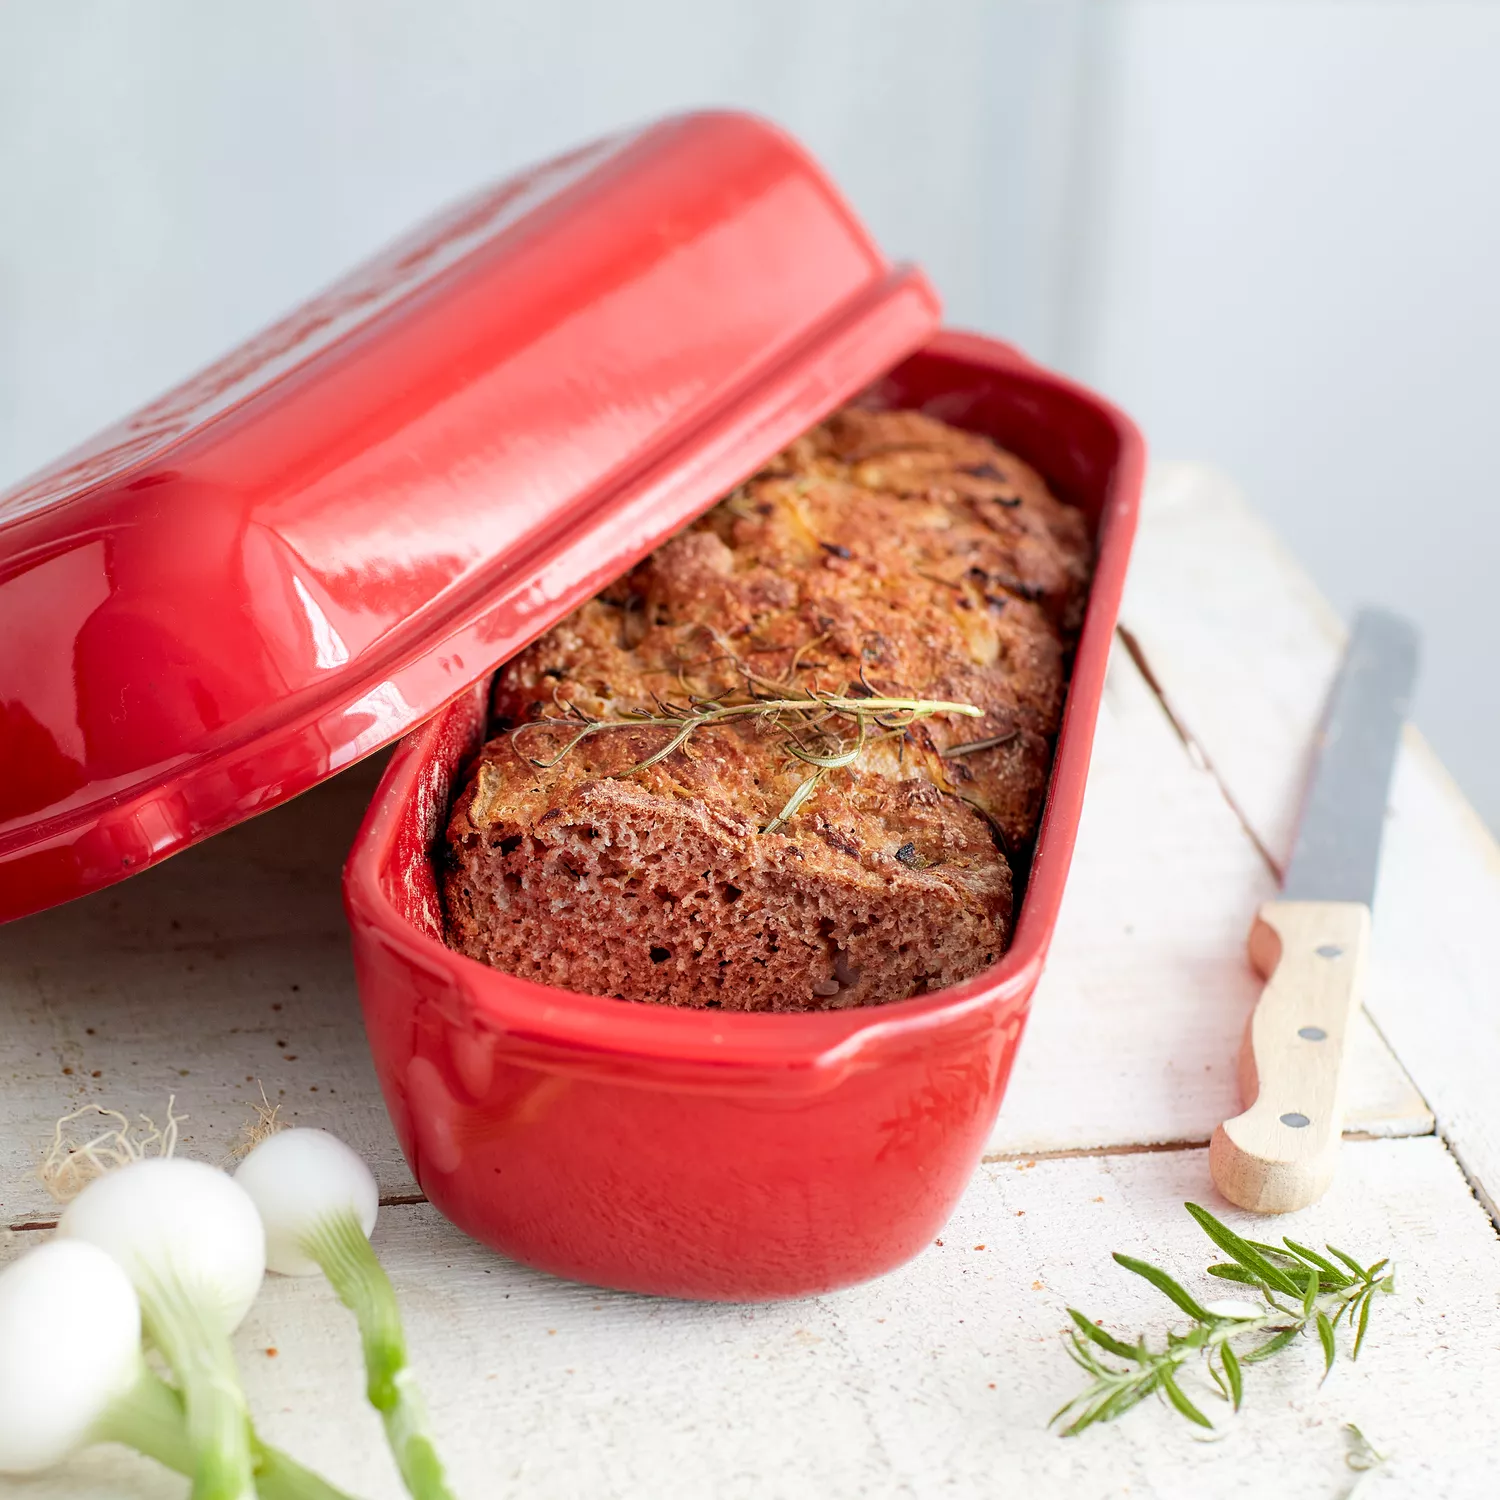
{"x": 1311, "y": 945}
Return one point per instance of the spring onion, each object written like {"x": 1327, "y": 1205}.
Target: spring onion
{"x": 318, "y": 1201}
{"x": 70, "y": 1327}
{"x": 190, "y": 1241}
{"x": 69, "y": 1312}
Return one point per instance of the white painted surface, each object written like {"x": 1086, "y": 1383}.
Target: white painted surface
{"x": 1149, "y": 961}
{"x": 1246, "y": 650}
{"x": 936, "y": 1381}
{"x": 220, "y": 972}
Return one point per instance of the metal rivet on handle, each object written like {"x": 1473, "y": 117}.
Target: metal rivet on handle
{"x": 1329, "y": 950}
{"x": 1312, "y": 1033}
{"x": 1295, "y": 1120}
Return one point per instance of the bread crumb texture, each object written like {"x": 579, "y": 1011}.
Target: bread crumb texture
{"x": 884, "y": 553}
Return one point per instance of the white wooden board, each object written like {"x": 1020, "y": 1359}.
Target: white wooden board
{"x": 1136, "y": 1026}
{"x": 1245, "y": 650}
{"x": 936, "y": 1381}
{"x": 221, "y": 971}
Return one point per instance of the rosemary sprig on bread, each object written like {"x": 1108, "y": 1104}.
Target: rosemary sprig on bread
{"x": 809, "y": 713}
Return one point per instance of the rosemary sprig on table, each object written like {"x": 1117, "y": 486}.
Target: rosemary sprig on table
{"x": 1302, "y": 1289}
{"x": 811, "y": 713}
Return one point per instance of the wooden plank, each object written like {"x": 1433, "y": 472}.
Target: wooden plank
{"x": 222, "y": 970}
{"x": 1136, "y": 1027}
{"x": 1244, "y": 650}
{"x": 227, "y": 968}
{"x": 936, "y": 1381}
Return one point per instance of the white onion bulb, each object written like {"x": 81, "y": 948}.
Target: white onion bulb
{"x": 173, "y": 1218}
{"x": 70, "y": 1333}
{"x": 297, "y": 1178}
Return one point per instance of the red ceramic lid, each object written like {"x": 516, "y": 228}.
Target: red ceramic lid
{"x": 307, "y": 548}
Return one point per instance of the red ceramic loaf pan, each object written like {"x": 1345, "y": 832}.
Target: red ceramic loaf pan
{"x": 711, "y": 1154}
{"x": 347, "y": 523}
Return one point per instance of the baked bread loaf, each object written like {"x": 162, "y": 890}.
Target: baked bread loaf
{"x": 883, "y": 556}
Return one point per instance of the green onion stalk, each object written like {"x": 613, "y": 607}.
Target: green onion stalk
{"x": 190, "y": 1241}
{"x": 318, "y": 1201}
{"x": 72, "y": 1373}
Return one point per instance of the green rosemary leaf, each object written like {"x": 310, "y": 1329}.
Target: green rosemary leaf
{"x": 1061, "y": 1412}
{"x": 1274, "y": 1253}
{"x": 973, "y": 747}
{"x": 1294, "y": 1271}
{"x": 1376, "y": 1269}
{"x": 1084, "y": 1357}
{"x": 1334, "y": 1280}
{"x": 1330, "y": 1349}
{"x": 1243, "y": 1251}
{"x": 1230, "y": 1271}
{"x": 1111, "y": 1397}
{"x": 572, "y": 745}
{"x": 1233, "y": 1374}
{"x": 1359, "y": 1271}
{"x": 1104, "y": 1403}
{"x": 677, "y": 741}
{"x": 1084, "y": 1420}
{"x": 834, "y": 762}
{"x": 795, "y": 801}
{"x": 1167, "y": 1287}
{"x": 1105, "y": 1341}
{"x": 827, "y": 762}
{"x": 1310, "y": 1296}
{"x": 1175, "y": 1395}
{"x": 1364, "y": 1322}
{"x": 1331, "y": 1273}
{"x": 1131, "y": 1395}
{"x": 1302, "y": 1275}
{"x": 1271, "y": 1346}
{"x": 1179, "y": 1345}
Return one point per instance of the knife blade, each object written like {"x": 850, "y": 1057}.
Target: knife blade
{"x": 1337, "y": 847}
{"x": 1311, "y": 944}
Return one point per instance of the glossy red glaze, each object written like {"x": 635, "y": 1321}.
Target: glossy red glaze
{"x": 703, "y": 1153}
{"x": 311, "y": 546}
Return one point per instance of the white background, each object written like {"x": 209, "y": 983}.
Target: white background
{"x": 1270, "y": 228}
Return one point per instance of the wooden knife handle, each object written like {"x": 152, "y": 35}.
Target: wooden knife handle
{"x": 1281, "y": 1152}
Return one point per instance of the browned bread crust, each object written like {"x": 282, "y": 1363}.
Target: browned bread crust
{"x": 883, "y": 552}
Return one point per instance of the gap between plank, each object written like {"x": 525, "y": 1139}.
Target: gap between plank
{"x": 1200, "y": 758}
{"x": 1151, "y": 1148}
{"x": 1073, "y": 1153}
{"x": 1195, "y": 751}
{"x": 392, "y": 1200}
{"x": 411, "y": 1200}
